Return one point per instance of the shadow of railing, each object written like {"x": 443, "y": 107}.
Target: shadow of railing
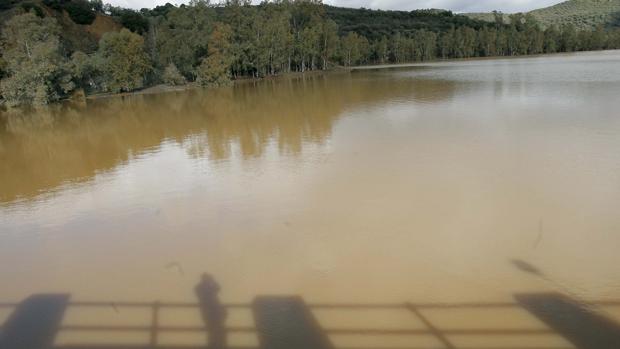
{"x": 288, "y": 322}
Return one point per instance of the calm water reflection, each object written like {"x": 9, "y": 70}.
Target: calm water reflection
{"x": 449, "y": 182}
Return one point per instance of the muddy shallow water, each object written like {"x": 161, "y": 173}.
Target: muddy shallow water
{"x": 466, "y": 204}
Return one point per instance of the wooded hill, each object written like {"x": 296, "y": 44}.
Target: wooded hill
{"x": 374, "y": 24}
{"x": 84, "y": 22}
{"x": 583, "y": 14}
{"x": 82, "y": 26}
{"x": 51, "y": 49}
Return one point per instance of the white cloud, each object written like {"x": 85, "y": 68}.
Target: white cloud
{"x": 454, "y": 5}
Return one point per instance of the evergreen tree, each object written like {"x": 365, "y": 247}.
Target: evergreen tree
{"x": 182, "y": 36}
{"x": 35, "y": 70}
{"x": 216, "y": 43}
{"x": 214, "y": 70}
{"x": 123, "y": 61}
{"x": 552, "y": 36}
{"x": 172, "y": 76}
{"x": 328, "y": 42}
{"x": 568, "y": 38}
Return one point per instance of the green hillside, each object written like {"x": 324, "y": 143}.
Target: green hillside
{"x": 52, "y": 49}
{"x": 374, "y": 24}
{"x": 584, "y": 14}
{"x": 82, "y": 26}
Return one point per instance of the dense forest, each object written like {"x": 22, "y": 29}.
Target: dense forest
{"x": 213, "y": 44}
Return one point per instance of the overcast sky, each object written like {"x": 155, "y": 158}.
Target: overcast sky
{"x": 454, "y": 5}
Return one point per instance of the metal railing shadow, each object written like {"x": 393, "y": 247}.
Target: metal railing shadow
{"x": 288, "y": 322}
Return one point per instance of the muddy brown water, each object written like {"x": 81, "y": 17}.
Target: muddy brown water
{"x": 470, "y": 204}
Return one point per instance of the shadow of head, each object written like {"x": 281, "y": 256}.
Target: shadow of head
{"x": 207, "y": 287}
{"x": 526, "y": 267}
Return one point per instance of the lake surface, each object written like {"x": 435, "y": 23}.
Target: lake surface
{"x": 470, "y": 204}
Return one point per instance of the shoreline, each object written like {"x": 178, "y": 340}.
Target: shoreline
{"x": 472, "y": 59}
{"x": 163, "y": 88}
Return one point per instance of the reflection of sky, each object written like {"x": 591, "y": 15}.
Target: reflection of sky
{"x": 557, "y": 69}
{"x": 533, "y": 82}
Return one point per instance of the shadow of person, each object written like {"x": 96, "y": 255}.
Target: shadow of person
{"x": 35, "y": 322}
{"x": 212, "y": 311}
{"x": 581, "y": 325}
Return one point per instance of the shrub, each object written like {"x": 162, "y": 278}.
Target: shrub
{"x": 213, "y": 71}
{"x": 7, "y": 4}
{"x": 54, "y": 4}
{"x": 3, "y": 66}
{"x": 80, "y": 11}
{"x": 34, "y": 67}
{"x": 134, "y": 21}
{"x": 172, "y": 76}
{"x": 122, "y": 60}
{"x": 28, "y": 7}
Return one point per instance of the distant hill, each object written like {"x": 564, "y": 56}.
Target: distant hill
{"x": 83, "y": 24}
{"x": 83, "y": 34}
{"x": 583, "y": 14}
{"x": 78, "y": 31}
{"x": 374, "y": 24}
{"x": 484, "y": 16}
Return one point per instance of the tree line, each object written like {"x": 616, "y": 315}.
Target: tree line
{"x": 213, "y": 44}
